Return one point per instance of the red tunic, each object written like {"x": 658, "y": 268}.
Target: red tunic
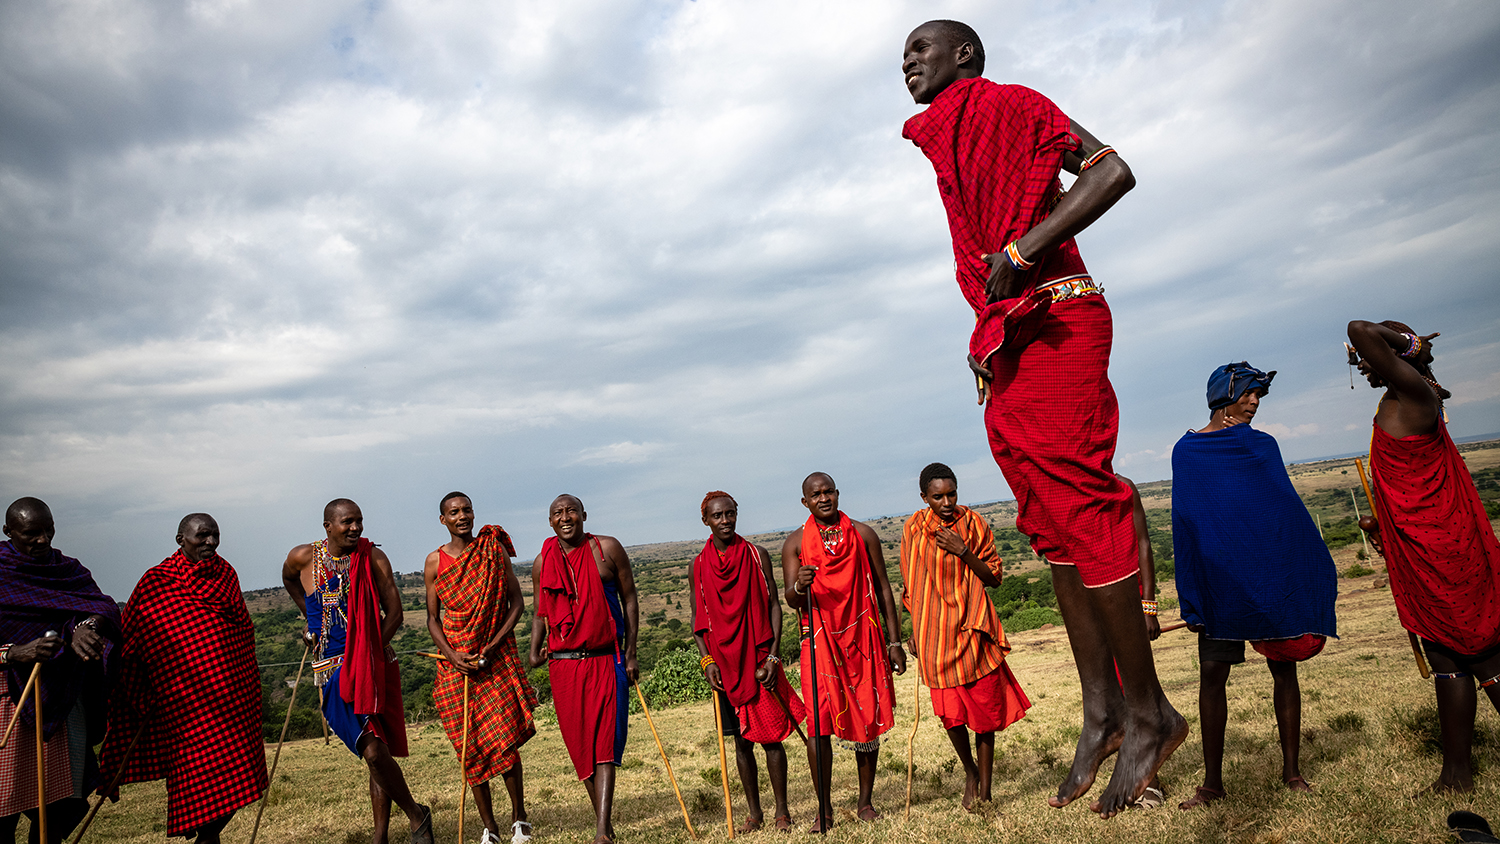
{"x": 1440, "y": 549}
{"x": 855, "y": 690}
{"x": 1052, "y": 417}
{"x": 732, "y": 612}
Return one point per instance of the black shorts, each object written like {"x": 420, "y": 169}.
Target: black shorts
{"x": 1231, "y": 651}
{"x": 726, "y": 712}
{"x": 1432, "y": 647}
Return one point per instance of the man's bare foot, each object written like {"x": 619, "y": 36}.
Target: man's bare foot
{"x": 1442, "y": 787}
{"x": 971, "y": 788}
{"x": 1144, "y": 751}
{"x": 1094, "y": 746}
{"x": 868, "y": 813}
{"x": 1297, "y": 783}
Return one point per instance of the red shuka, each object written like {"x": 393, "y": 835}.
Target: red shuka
{"x": 1441, "y": 551}
{"x": 188, "y": 674}
{"x": 854, "y": 676}
{"x": 732, "y": 612}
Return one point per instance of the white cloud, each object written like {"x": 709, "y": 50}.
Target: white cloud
{"x": 626, "y": 452}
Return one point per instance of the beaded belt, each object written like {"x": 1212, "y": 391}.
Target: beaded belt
{"x": 1071, "y": 287}
{"x": 323, "y": 666}
{"x": 581, "y": 654}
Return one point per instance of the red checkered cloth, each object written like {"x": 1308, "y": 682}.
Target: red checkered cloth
{"x": 472, "y": 589}
{"x": 997, "y": 150}
{"x": 18, "y": 762}
{"x": 188, "y": 673}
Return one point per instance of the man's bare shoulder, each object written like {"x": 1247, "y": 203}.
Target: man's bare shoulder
{"x": 866, "y": 532}
{"x": 300, "y": 557}
{"x": 432, "y": 563}
{"x": 790, "y": 546}
{"x": 765, "y": 553}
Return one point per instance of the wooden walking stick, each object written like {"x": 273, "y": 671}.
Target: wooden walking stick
{"x": 1416, "y": 645}
{"x": 114, "y": 781}
{"x": 912, "y": 739}
{"x": 666, "y": 762}
{"x": 1170, "y": 627}
{"x": 787, "y": 710}
{"x": 723, "y": 764}
{"x": 463, "y": 764}
{"x": 271, "y": 777}
{"x": 322, "y": 717}
{"x": 15, "y": 717}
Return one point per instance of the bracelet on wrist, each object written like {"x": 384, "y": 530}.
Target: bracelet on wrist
{"x": 4, "y": 654}
{"x": 1413, "y": 347}
{"x": 889, "y": 645}
{"x": 773, "y": 659}
{"x": 92, "y": 623}
{"x": 795, "y": 589}
{"x": 1013, "y": 254}
{"x": 705, "y": 662}
{"x": 1149, "y": 607}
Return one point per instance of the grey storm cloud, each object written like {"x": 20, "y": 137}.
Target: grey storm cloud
{"x": 257, "y": 256}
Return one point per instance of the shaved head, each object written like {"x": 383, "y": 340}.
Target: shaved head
{"x": 573, "y": 498}
{"x": 957, "y": 33}
{"x": 26, "y": 509}
{"x": 192, "y": 519}
{"x": 814, "y": 476}
{"x": 443, "y": 505}
{"x": 333, "y": 507}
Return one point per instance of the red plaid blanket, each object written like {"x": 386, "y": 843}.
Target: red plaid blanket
{"x": 472, "y": 591}
{"x": 188, "y": 673}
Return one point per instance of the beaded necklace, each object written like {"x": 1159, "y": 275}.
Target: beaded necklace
{"x": 331, "y": 576}
{"x": 832, "y": 538}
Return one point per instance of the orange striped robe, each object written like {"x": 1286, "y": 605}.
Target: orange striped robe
{"x": 959, "y": 638}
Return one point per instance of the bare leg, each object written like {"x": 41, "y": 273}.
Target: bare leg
{"x": 1213, "y": 717}
{"x": 984, "y": 747}
{"x": 959, "y": 737}
{"x": 516, "y": 788}
{"x": 1103, "y": 702}
{"x": 485, "y": 806}
{"x": 387, "y": 781}
{"x": 380, "y": 805}
{"x": 776, "y": 767}
{"x": 209, "y": 832}
{"x": 821, "y": 779}
{"x": 865, "y": 762}
{"x": 744, "y": 760}
{"x": 1287, "y": 696}
{"x": 601, "y": 788}
{"x": 1456, "y": 704}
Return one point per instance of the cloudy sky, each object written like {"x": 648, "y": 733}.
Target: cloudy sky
{"x": 257, "y": 255}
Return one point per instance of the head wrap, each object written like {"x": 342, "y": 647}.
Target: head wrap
{"x": 1233, "y": 380}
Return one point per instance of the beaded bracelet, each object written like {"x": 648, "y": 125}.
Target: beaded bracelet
{"x": 1014, "y": 256}
{"x": 1415, "y": 347}
{"x": 1149, "y": 607}
{"x": 1485, "y": 684}
{"x": 1096, "y": 158}
{"x": 4, "y": 654}
{"x": 773, "y": 659}
{"x": 706, "y": 661}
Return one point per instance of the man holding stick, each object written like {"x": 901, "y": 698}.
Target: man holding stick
{"x": 1265, "y": 576}
{"x": 473, "y": 605}
{"x": 835, "y": 576}
{"x": 43, "y": 592}
{"x": 190, "y": 687}
{"x": 1040, "y": 349}
{"x": 346, "y": 593}
{"x": 947, "y": 559}
{"x": 585, "y": 631}
{"x": 1440, "y": 549}
{"x": 737, "y": 627}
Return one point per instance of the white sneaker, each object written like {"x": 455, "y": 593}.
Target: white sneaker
{"x": 522, "y": 833}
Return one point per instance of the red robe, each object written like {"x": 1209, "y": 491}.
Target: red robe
{"x": 367, "y": 681}
{"x": 587, "y": 692}
{"x": 1052, "y": 418}
{"x": 855, "y": 690}
{"x": 732, "y": 613}
{"x": 1440, "y": 549}
{"x": 188, "y": 673}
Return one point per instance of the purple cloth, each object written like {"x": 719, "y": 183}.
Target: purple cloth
{"x": 50, "y": 594}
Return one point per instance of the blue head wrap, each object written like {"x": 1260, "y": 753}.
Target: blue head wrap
{"x": 1233, "y": 380}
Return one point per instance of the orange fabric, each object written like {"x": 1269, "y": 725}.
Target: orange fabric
{"x": 501, "y": 700}
{"x": 959, "y": 637}
{"x": 854, "y": 676}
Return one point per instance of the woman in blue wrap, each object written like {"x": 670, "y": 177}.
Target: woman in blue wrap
{"x": 1250, "y": 566}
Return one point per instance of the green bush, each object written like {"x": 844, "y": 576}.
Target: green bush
{"x": 541, "y": 682}
{"x": 1031, "y": 618}
{"x": 1357, "y": 570}
{"x": 676, "y": 679}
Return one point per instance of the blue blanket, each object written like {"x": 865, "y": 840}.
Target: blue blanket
{"x": 1250, "y": 562}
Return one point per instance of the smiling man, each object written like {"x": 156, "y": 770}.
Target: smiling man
{"x": 948, "y": 557}
{"x": 43, "y": 592}
{"x": 1040, "y": 351}
{"x": 473, "y": 605}
{"x": 1251, "y": 566}
{"x": 585, "y": 631}
{"x": 344, "y": 589}
{"x": 737, "y": 627}
{"x": 851, "y": 633}
{"x": 189, "y": 685}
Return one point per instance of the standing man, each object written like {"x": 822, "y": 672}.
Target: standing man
{"x": 190, "y": 686}
{"x": 585, "y": 631}
{"x": 948, "y": 557}
{"x": 344, "y": 589}
{"x": 1040, "y": 351}
{"x": 835, "y": 576}
{"x": 1264, "y": 576}
{"x": 737, "y": 626}
{"x": 1439, "y": 546}
{"x": 43, "y": 592}
{"x": 473, "y": 605}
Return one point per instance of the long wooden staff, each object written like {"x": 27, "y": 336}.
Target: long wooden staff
{"x": 1416, "y": 645}
{"x": 463, "y": 764}
{"x": 723, "y": 764}
{"x": 787, "y": 710}
{"x": 114, "y": 781}
{"x": 271, "y": 777}
{"x": 666, "y": 762}
{"x": 912, "y": 739}
{"x": 15, "y": 717}
{"x": 41, "y": 761}
{"x": 1170, "y": 627}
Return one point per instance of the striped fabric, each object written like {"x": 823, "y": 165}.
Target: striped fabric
{"x": 959, "y": 638}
